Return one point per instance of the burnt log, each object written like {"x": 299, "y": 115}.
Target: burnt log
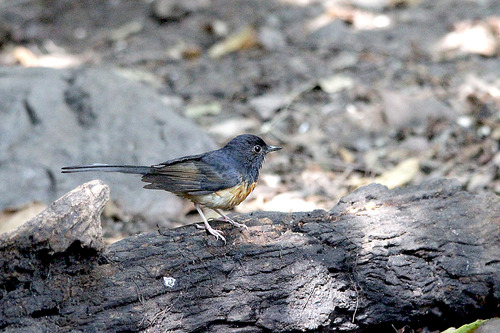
{"x": 424, "y": 255}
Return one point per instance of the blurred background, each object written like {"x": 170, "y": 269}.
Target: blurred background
{"x": 359, "y": 91}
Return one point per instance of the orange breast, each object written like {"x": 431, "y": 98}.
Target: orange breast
{"x": 225, "y": 199}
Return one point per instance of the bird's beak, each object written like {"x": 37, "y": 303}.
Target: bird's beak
{"x": 272, "y": 148}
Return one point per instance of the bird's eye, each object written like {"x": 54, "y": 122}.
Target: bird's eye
{"x": 257, "y": 149}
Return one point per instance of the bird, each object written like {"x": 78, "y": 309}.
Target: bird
{"x": 219, "y": 179}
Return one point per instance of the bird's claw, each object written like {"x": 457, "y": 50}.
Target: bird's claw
{"x": 212, "y": 231}
{"x": 217, "y": 234}
{"x": 233, "y": 222}
{"x": 238, "y": 225}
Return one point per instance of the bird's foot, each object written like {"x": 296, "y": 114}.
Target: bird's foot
{"x": 216, "y": 233}
{"x": 212, "y": 231}
{"x": 233, "y": 222}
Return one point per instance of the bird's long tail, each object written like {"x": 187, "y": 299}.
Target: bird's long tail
{"x": 134, "y": 169}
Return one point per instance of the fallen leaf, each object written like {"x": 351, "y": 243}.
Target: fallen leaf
{"x": 400, "y": 175}
{"x": 346, "y": 155}
{"x": 359, "y": 19}
{"x": 242, "y": 40}
{"x": 470, "y": 37}
{"x": 25, "y": 56}
{"x": 199, "y": 110}
{"x": 125, "y": 31}
{"x": 335, "y": 83}
{"x": 191, "y": 52}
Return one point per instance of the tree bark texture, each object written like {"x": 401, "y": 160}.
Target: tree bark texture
{"x": 426, "y": 255}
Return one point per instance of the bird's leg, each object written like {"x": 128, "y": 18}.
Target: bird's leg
{"x": 216, "y": 233}
{"x": 226, "y": 218}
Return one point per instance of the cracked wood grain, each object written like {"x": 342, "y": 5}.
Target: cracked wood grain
{"x": 425, "y": 254}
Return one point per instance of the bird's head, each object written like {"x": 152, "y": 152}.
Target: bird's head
{"x": 249, "y": 151}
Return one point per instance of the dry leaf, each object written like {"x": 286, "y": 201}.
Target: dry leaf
{"x": 359, "y": 19}
{"x": 346, "y": 155}
{"x": 125, "y": 31}
{"x": 471, "y": 37}
{"x": 200, "y": 110}
{"x": 335, "y": 83}
{"x": 242, "y": 40}
{"x": 25, "y": 56}
{"x": 191, "y": 52}
{"x": 400, "y": 175}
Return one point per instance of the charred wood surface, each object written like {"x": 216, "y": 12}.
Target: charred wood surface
{"x": 427, "y": 255}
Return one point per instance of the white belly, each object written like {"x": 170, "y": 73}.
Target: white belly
{"x": 224, "y": 199}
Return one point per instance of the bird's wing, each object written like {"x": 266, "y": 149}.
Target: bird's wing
{"x": 194, "y": 175}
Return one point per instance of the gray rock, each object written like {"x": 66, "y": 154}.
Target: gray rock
{"x": 267, "y": 105}
{"x": 405, "y": 108}
{"x": 335, "y": 34}
{"x": 53, "y": 118}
